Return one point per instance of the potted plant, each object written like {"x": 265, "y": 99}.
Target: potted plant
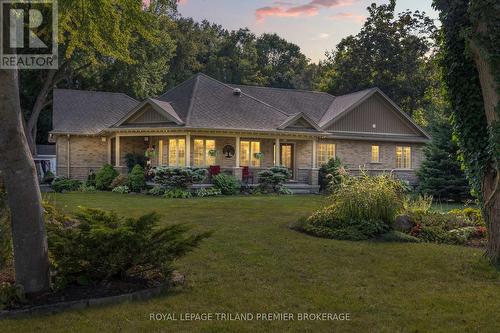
{"x": 259, "y": 155}
{"x": 213, "y": 153}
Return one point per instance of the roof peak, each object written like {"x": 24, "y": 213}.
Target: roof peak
{"x": 95, "y": 92}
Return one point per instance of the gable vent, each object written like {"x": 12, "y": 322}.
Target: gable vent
{"x": 237, "y": 92}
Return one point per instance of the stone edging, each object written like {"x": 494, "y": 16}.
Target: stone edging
{"x": 85, "y": 303}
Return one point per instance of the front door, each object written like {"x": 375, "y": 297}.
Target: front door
{"x": 287, "y": 158}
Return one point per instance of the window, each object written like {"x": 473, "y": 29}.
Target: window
{"x": 375, "y": 154}
{"x": 248, "y": 149}
{"x": 326, "y": 151}
{"x": 201, "y": 153}
{"x": 403, "y": 157}
{"x": 177, "y": 152}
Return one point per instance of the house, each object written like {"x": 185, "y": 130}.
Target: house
{"x": 242, "y": 129}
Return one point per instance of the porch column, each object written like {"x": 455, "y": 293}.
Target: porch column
{"x": 314, "y": 158}
{"x": 314, "y": 174}
{"x": 237, "y": 153}
{"x": 188, "y": 149}
{"x": 109, "y": 150}
{"x": 117, "y": 151}
{"x": 277, "y": 152}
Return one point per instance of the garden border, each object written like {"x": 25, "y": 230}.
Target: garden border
{"x": 86, "y": 303}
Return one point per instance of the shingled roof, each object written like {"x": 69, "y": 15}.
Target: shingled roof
{"x": 203, "y": 102}
{"x": 88, "y": 112}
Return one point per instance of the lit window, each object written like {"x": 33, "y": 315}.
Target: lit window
{"x": 403, "y": 157}
{"x": 201, "y": 154}
{"x": 248, "y": 151}
{"x": 177, "y": 152}
{"x": 326, "y": 151}
{"x": 375, "y": 154}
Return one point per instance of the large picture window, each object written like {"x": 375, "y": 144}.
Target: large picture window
{"x": 326, "y": 151}
{"x": 248, "y": 149}
{"x": 403, "y": 157}
{"x": 177, "y": 152}
{"x": 201, "y": 153}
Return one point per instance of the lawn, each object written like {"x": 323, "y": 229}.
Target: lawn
{"x": 254, "y": 263}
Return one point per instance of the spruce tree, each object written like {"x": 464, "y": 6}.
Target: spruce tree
{"x": 441, "y": 174}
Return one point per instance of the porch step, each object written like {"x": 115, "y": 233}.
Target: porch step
{"x": 298, "y": 188}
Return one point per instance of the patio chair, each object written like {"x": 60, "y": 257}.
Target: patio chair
{"x": 213, "y": 171}
{"x": 246, "y": 175}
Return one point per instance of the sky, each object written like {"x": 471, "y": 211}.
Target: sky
{"x": 315, "y": 25}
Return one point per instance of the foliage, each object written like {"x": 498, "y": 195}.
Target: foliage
{"x": 473, "y": 215}
{"x": 105, "y": 177}
{"x": 283, "y": 190}
{"x": 48, "y": 178}
{"x": 5, "y": 230}
{"x": 177, "y": 193}
{"x": 368, "y": 198}
{"x": 450, "y": 228}
{"x": 208, "y": 192}
{"x": 131, "y": 160}
{"x": 10, "y": 295}
{"x": 331, "y": 174}
{"x": 136, "y": 179}
{"x": 464, "y": 91}
{"x": 441, "y": 175}
{"x": 120, "y": 180}
{"x": 272, "y": 180}
{"x": 65, "y": 185}
{"x": 418, "y": 204}
{"x": 102, "y": 246}
{"x": 389, "y": 52}
{"x": 179, "y": 177}
{"x": 91, "y": 179}
{"x": 87, "y": 188}
{"x": 157, "y": 191}
{"x": 228, "y": 185}
{"x": 121, "y": 189}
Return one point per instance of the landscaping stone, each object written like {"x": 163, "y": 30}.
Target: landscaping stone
{"x": 403, "y": 223}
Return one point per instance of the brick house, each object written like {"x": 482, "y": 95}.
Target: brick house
{"x": 242, "y": 129}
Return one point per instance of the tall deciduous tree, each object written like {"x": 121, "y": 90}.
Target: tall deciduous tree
{"x": 389, "y": 52}
{"x": 471, "y": 63}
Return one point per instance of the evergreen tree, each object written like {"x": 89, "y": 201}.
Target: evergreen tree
{"x": 440, "y": 174}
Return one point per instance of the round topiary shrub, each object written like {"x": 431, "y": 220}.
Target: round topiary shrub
{"x": 136, "y": 179}
{"x": 105, "y": 177}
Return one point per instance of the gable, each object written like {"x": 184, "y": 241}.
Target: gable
{"x": 147, "y": 115}
{"x": 300, "y": 124}
{"x": 374, "y": 115}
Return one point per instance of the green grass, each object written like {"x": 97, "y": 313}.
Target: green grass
{"x": 254, "y": 263}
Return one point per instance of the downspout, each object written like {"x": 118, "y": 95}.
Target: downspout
{"x": 68, "y": 157}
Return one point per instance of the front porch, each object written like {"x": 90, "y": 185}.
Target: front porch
{"x": 242, "y": 156}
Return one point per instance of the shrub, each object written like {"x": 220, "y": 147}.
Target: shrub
{"x": 327, "y": 226}
{"x": 283, "y": 190}
{"x": 419, "y": 204}
{"x": 10, "y": 295}
{"x": 228, "y": 185}
{"x": 101, "y": 246}
{"x": 177, "y": 193}
{"x": 121, "y": 189}
{"x": 179, "y": 178}
{"x": 157, "y": 191}
{"x": 120, "y": 180}
{"x": 5, "y": 230}
{"x": 473, "y": 215}
{"x": 331, "y": 174}
{"x": 208, "y": 192}
{"x": 132, "y": 160}
{"x": 136, "y": 179}
{"x": 87, "y": 189}
{"x": 65, "y": 185}
{"x": 48, "y": 178}
{"x": 91, "y": 179}
{"x": 105, "y": 177}
{"x": 271, "y": 180}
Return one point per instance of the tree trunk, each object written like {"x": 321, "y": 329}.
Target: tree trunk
{"x": 40, "y": 103}
{"x": 23, "y": 194}
{"x": 491, "y": 180}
